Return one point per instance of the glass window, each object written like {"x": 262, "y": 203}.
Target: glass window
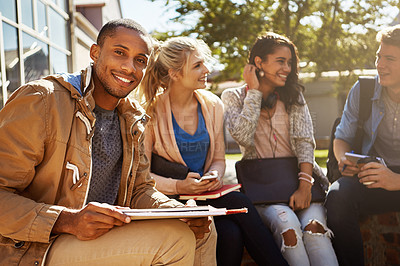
{"x": 27, "y": 13}
{"x": 11, "y": 57}
{"x": 36, "y": 58}
{"x": 8, "y": 9}
{"x": 59, "y": 61}
{"x": 42, "y": 19}
{"x": 1, "y": 91}
{"x": 63, "y": 4}
{"x": 58, "y": 29}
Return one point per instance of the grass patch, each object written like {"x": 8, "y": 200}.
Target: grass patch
{"x": 236, "y": 156}
{"x": 321, "y": 153}
{"x": 320, "y": 156}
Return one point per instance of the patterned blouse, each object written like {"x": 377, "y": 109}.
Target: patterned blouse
{"x": 242, "y": 111}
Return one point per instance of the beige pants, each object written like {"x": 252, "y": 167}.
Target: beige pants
{"x": 151, "y": 242}
{"x": 206, "y": 249}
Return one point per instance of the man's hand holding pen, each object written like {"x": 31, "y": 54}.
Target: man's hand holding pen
{"x": 347, "y": 167}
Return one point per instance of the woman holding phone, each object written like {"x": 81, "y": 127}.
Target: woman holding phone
{"x": 187, "y": 128}
{"x": 269, "y": 118}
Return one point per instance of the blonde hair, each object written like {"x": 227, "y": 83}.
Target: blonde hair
{"x": 171, "y": 54}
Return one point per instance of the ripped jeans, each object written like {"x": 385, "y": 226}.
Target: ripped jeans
{"x": 309, "y": 247}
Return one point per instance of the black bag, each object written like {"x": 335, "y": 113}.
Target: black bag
{"x": 163, "y": 167}
{"x": 367, "y": 86}
{"x": 272, "y": 180}
{"x": 333, "y": 172}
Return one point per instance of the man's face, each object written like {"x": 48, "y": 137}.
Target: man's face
{"x": 119, "y": 64}
{"x": 388, "y": 65}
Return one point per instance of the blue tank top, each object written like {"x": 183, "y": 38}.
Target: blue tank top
{"x": 193, "y": 148}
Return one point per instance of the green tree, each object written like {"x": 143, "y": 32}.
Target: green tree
{"x": 330, "y": 35}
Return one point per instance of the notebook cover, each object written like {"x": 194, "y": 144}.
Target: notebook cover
{"x": 225, "y": 189}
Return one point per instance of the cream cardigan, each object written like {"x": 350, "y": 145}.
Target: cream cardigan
{"x": 242, "y": 111}
{"x": 160, "y": 137}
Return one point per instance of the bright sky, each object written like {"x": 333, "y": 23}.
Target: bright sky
{"x": 151, "y": 15}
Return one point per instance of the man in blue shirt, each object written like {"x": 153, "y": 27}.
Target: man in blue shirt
{"x": 373, "y": 188}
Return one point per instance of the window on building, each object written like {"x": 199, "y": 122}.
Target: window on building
{"x": 36, "y": 58}
{"x": 58, "y": 22}
{"x": 1, "y": 88}
{"x": 8, "y": 9}
{"x": 12, "y": 57}
{"x": 34, "y": 41}
{"x": 27, "y": 14}
{"x": 42, "y": 19}
{"x": 63, "y": 4}
{"x": 59, "y": 61}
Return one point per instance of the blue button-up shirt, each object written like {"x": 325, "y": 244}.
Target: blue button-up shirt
{"x": 347, "y": 128}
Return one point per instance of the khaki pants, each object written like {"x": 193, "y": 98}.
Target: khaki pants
{"x": 206, "y": 249}
{"x": 151, "y": 242}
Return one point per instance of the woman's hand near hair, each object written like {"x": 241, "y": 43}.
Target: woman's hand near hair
{"x": 250, "y": 77}
{"x": 190, "y": 185}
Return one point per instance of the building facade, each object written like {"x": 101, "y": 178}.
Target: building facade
{"x": 42, "y": 37}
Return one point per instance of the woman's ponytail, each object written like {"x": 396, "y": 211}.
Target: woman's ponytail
{"x": 151, "y": 83}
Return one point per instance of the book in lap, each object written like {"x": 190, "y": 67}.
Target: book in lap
{"x": 225, "y": 189}
{"x": 180, "y": 212}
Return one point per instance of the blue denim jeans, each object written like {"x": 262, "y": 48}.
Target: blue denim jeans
{"x": 346, "y": 202}
{"x": 310, "y": 248}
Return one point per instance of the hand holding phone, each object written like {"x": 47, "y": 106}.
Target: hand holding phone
{"x": 210, "y": 177}
{"x": 368, "y": 159}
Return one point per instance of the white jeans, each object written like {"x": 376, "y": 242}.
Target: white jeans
{"x": 311, "y": 248}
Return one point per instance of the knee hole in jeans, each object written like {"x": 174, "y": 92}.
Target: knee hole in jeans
{"x": 290, "y": 238}
{"x": 315, "y": 227}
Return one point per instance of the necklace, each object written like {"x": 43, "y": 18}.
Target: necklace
{"x": 273, "y": 144}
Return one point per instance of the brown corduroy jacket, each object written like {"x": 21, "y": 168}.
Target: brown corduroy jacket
{"x": 46, "y": 131}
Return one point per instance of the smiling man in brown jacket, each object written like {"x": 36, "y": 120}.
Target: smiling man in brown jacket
{"x": 70, "y": 141}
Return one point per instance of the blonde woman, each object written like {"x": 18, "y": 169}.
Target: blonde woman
{"x": 187, "y": 128}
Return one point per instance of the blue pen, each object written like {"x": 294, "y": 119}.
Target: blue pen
{"x": 344, "y": 167}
